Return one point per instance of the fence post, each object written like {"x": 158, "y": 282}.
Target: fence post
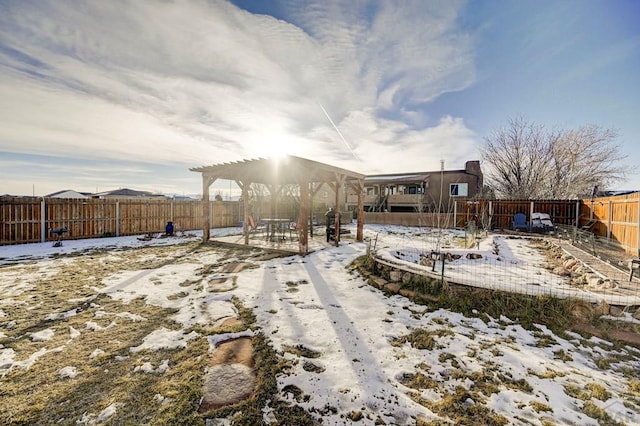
{"x": 43, "y": 222}
{"x": 578, "y": 203}
{"x": 455, "y": 214}
{"x": 638, "y": 230}
{"x": 117, "y": 218}
{"x": 171, "y": 214}
{"x": 490, "y": 215}
{"x": 609, "y": 213}
{"x": 531, "y": 210}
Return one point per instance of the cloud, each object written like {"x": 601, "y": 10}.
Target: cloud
{"x": 194, "y": 82}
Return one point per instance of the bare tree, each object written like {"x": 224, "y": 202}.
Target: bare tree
{"x": 582, "y": 159}
{"x": 525, "y": 160}
{"x": 517, "y": 157}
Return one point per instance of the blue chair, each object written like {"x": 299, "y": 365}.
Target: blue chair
{"x": 520, "y": 222}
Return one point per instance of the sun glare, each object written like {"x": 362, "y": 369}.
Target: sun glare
{"x": 279, "y": 149}
{"x": 274, "y": 147}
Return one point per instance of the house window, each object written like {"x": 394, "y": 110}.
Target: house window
{"x": 458, "y": 189}
{"x": 325, "y": 194}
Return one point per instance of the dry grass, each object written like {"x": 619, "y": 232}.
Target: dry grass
{"x": 92, "y": 336}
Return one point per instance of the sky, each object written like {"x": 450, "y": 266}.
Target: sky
{"x": 313, "y": 302}
{"x": 98, "y": 95}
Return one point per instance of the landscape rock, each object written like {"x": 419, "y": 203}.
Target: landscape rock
{"x": 392, "y": 287}
{"x": 409, "y": 294}
{"x": 378, "y": 282}
{"x": 560, "y": 270}
{"x": 395, "y": 275}
{"x": 602, "y": 308}
{"x": 593, "y": 280}
{"x": 616, "y": 311}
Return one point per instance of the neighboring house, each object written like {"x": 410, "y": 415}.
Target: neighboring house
{"x": 127, "y": 193}
{"x": 413, "y": 192}
{"x": 67, "y": 193}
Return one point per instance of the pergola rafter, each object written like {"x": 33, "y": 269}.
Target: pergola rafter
{"x": 275, "y": 173}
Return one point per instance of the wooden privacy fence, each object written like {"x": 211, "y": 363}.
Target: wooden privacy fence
{"x": 29, "y": 219}
{"x": 491, "y": 214}
{"x": 498, "y": 214}
{"x": 615, "y": 220}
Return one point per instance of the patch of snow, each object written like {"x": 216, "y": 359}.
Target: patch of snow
{"x": 96, "y": 353}
{"x": 31, "y": 360}
{"x": 42, "y": 335}
{"x": 90, "y": 325}
{"x": 107, "y": 413}
{"x": 164, "y": 338}
{"x": 73, "y": 333}
{"x": 145, "y": 368}
{"x": 6, "y": 359}
{"x": 61, "y": 315}
{"x": 216, "y": 339}
{"x": 68, "y": 372}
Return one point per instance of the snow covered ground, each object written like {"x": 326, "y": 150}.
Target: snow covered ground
{"x": 364, "y": 352}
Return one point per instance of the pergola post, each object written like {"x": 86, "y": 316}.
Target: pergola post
{"x": 303, "y": 218}
{"x": 244, "y": 186}
{"x": 206, "y": 227}
{"x": 360, "y": 226}
{"x": 338, "y": 188}
{"x": 314, "y": 191}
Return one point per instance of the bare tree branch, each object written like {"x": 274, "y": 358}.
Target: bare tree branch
{"x": 527, "y": 161}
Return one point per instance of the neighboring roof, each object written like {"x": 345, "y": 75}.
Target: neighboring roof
{"x": 183, "y": 198}
{"x": 66, "y": 193}
{"x": 286, "y": 170}
{"x": 414, "y": 177}
{"x": 125, "y": 192}
{"x": 616, "y": 192}
{"x": 397, "y": 179}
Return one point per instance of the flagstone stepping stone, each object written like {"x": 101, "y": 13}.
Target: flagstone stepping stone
{"x": 222, "y": 283}
{"x": 235, "y": 267}
{"x": 229, "y": 322}
{"x": 227, "y": 384}
{"x": 230, "y": 378}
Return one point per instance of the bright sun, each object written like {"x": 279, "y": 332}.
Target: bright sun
{"x": 279, "y": 149}
{"x": 274, "y": 147}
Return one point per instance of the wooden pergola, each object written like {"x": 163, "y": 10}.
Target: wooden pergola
{"x": 275, "y": 173}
